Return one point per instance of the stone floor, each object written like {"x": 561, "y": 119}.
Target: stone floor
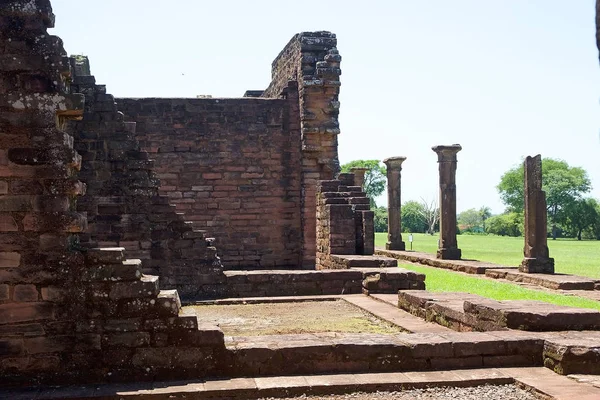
{"x": 538, "y": 380}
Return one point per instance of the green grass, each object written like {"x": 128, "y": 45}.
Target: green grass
{"x": 439, "y": 280}
{"x": 571, "y": 256}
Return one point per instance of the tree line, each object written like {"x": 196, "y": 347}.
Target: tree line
{"x": 571, "y": 213}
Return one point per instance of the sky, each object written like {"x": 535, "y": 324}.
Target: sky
{"x": 505, "y": 79}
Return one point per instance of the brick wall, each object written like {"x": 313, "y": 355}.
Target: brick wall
{"x": 312, "y": 60}
{"x": 232, "y": 166}
{"x": 69, "y": 314}
{"x": 344, "y": 221}
{"x": 122, "y": 202}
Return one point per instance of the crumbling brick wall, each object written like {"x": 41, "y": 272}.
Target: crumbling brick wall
{"x": 66, "y": 313}
{"x": 344, "y": 221}
{"x": 247, "y": 169}
{"x": 122, "y": 202}
{"x": 312, "y": 60}
{"x": 232, "y": 166}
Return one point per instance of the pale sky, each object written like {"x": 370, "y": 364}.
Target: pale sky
{"x": 504, "y": 78}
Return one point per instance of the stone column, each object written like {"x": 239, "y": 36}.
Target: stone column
{"x": 537, "y": 259}
{"x": 359, "y": 175}
{"x": 394, "y": 167}
{"x": 448, "y": 247}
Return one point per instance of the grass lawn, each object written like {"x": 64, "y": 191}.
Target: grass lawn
{"x": 571, "y": 256}
{"x": 440, "y": 280}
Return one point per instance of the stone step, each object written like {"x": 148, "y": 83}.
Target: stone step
{"x": 358, "y": 261}
{"x": 536, "y": 379}
{"x": 575, "y": 353}
{"x": 467, "y": 312}
{"x": 128, "y": 270}
{"x": 165, "y": 304}
{"x": 344, "y": 352}
{"x": 105, "y": 255}
{"x": 551, "y": 281}
{"x": 147, "y": 286}
{"x": 390, "y": 280}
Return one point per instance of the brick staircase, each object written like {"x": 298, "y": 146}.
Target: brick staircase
{"x": 136, "y": 326}
{"x": 123, "y": 204}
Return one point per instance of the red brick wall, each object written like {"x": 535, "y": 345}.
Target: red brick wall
{"x": 311, "y": 59}
{"x": 232, "y": 166}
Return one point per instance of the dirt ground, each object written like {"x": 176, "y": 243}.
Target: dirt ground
{"x": 286, "y": 318}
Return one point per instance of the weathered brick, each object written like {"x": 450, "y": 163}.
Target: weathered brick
{"x": 23, "y": 293}
{"x": 24, "y": 312}
{"x": 4, "y": 292}
{"x": 9, "y": 259}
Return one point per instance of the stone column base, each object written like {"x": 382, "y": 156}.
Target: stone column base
{"x": 537, "y": 265}
{"x": 401, "y": 246}
{"x": 449, "y": 253}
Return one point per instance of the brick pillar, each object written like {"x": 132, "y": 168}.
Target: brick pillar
{"x": 394, "y": 168}
{"x": 537, "y": 259}
{"x": 359, "y": 175}
{"x": 448, "y": 248}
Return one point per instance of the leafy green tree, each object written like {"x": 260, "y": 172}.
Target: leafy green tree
{"x": 564, "y": 185}
{"x": 375, "y": 177}
{"x": 412, "y": 217}
{"x": 508, "y": 224}
{"x": 581, "y": 215}
{"x": 593, "y": 231}
{"x": 470, "y": 220}
{"x": 484, "y": 214}
{"x": 380, "y": 220}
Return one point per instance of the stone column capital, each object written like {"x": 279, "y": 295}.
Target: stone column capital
{"x": 355, "y": 170}
{"x": 394, "y": 162}
{"x": 447, "y": 153}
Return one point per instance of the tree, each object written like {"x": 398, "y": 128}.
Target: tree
{"x": 484, "y": 214}
{"x": 508, "y": 224}
{"x": 564, "y": 185}
{"x": 375, "y": 177}
{"x": 380, "y": 220}
{"x": 470, "y": 220}
{"x": 581, "y": 215}
{"x": 412, "y": 217}
{"x": 431, "y": 213}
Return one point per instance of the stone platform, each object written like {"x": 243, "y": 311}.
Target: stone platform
{"x": 467, "y": 312}
{"x": 540, "y": 380}
{"x": 550, "y": 281}
{"x": 468, "y": 266}
{"x": 496, "y": 271}
{"x": 261, "y": 283}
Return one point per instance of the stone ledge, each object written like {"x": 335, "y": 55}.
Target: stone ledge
{"x": 264, "y": 283}
{"x": 550, "y": 281}
{"x": 358, "y": 261}
{"x": 466, "y": 312}
{"x": 496, "y": 271}
{"x": 468, "y": 266}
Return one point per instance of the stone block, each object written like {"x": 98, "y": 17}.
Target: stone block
{"x": 146, "y": 287}
{"x": 9, "y": 259}
{"x": 108, "y": 255}
{"x": 4, "y": 292}
{"x": 25, "y": 293}
{"x": 126, "y": 339}
{"x": 25, "y": 312}
{"x": 11, "y": 347}
{"x": 53, "y": 293}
